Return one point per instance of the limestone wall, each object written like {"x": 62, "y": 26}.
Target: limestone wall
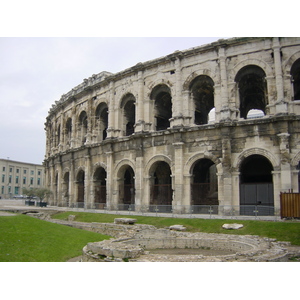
{"x": 156, "y": 112}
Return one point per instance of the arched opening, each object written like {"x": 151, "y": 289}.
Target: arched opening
{"x": 161, "y": 194}
{"x": 204, "y": 186}
{"x": 161, "y": 95}
{"x": 295, "y": 72}
{"x": 256, "y": 186}
{"x": 102, "y": 120}
{"x": 83, "y": 124}
{"x": 68, "y": 130}
{"x": 80, "y": 188}
{"x": 66, "y": 182}
{"x": 252, "y": 87}
{"x": 100, "y": 188}
{"x": 202, "y": 90}
{"x": 127, "y": 189}
{"x": 58, "y": 135}
{"x": 128, "y": 106}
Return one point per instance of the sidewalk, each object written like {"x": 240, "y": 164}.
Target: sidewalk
{"x": 13, "y": 205}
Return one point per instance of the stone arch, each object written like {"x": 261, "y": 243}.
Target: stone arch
{"x": 252, "y": 89}
{"x": 127, "y": 106}
{"x": 256, "y": 62}
{"x": 80, "y": 184}
{"x": 259, "y": 151}
{"x": 161, "y": 186}
{"x": 155, "y": 159}
{"x": 204, "y": 183}
{"x": 191, "y": 161}
{"x": 125, "y": 173}
{"x": 99, "y": 164}
{"x": 202, "y": 91}
{"x": 123, "y": 163}
{"x": 83, "y": 126}
{"x": 99, "y": 186}
{"x": 161, "y": 97}
{"x": 287, "y": 66}
{"x": 195, "y": 74}
{"x": 101, "y": 114}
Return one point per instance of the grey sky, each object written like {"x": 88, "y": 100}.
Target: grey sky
{"x": 35, "y": 72}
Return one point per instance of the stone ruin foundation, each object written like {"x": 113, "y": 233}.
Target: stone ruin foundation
{"x": 162, "y": 245}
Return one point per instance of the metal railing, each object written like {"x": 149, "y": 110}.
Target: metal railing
{"x": 207, "y": 210}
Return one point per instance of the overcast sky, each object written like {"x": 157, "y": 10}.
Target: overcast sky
{"x": 35, "y": 72}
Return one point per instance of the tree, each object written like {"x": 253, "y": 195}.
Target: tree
{"x": 41, "y": 193}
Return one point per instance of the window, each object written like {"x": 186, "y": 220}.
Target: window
{"x": 31, "y": 180}
{"x": 3, "y": 178}
{"x": 31, "y": 172}
{"x": 2, "y": 189}
{"x": 9, "y": 179}
{"x": 3, "y": 169}
{"x": 10, "y": 170}
{"x": 39, "y": 173}
{"x": 39, "y": 181}
{"x": 25, "y": 171}
{"x": 24, "y": 180}
{"x": 17, "y": 179}
{"x": 16, "y": 190}
{"x": 18, "y": 170}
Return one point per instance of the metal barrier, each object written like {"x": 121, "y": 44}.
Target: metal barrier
{"x": 208, "y": 210}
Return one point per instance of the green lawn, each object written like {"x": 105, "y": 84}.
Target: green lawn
{"x": 282, "y": 231}
{"x": 27, "y": 239}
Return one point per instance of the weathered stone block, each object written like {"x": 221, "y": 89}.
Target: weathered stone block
{"x": 124, "y": 221}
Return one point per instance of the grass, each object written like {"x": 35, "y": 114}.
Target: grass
{"x": 27, "y": 239}
{"x": 282, "y": 231}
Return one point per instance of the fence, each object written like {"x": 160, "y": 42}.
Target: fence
{"x": 208, "y": 210}
{"x": 290, "y": 205}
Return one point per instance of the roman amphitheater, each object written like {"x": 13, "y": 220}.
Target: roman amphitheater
{"x": 214, "y": 129}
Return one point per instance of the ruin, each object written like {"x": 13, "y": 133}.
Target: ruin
{"x": 211, "y": 129}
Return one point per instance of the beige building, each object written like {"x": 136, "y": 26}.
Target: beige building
{"x": 212, "y": 129}
{"x": 17, "y": 175}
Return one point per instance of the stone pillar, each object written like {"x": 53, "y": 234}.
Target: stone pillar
{"x": 72, "y": 184}
{"x": 177, "y": 115}
{"x": 109, "y": 180}
{"x": 140, "y": 123}
{"x": 88, "y": 183}
{"x": 281, "y": 105}
{"x": 226, "y": 167}
{"x": 111, "y": 109}
{"x": 139, "y": 171}
{"x": 286, "y": 180}
{"x": 225, "y": 112}
{"x": 187, "y": 108}
{"x": 178, "y": 178}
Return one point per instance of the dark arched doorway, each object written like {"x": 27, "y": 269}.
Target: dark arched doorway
{"x": 127, "y": 189}
{"x": 100, "y": 188}
{"x": 80, "y": 188}
{"x": 66, "y": 182}
{"x": 295, "y": 72}
{"x": 202, "y": 90}
{"x": 252, "y": 88}
{"x": 256, "y": 186}
{"x": 161, "y": 95}
{"x": 204, "y": 186}
{"x": 161, "y": 188}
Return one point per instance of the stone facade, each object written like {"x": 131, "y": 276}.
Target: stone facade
{"x": 215, "y": 125}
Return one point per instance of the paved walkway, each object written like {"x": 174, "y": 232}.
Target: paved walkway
{"x": 13, "y": 204}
